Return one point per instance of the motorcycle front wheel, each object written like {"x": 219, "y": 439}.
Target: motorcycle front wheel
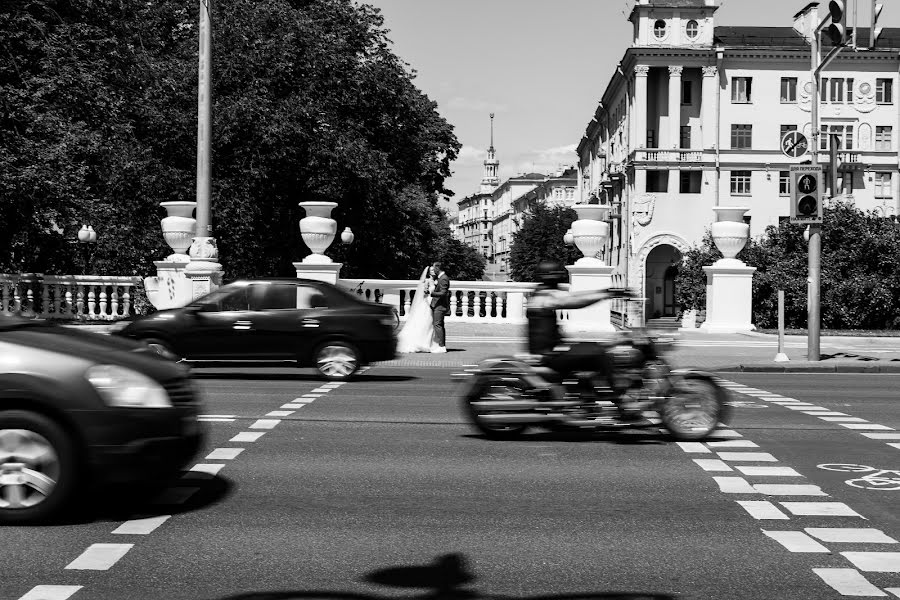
{"x": 692, "y": 409}
{"x": 499, "y": 389}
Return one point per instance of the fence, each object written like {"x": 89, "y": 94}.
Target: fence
{"x": 68, "y": 297}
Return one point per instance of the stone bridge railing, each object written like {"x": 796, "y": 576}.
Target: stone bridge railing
{"x": 68, "y": 297}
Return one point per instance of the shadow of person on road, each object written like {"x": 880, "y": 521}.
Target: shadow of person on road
{"x": 444, "y": 579}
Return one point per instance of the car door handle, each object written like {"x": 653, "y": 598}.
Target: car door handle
{"x": 243, "y": 325}
{"x": 309, "y": 322}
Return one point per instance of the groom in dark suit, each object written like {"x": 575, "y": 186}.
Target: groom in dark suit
{"x": 440, "y": 306}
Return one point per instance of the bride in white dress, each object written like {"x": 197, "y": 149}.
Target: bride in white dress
{"x": 417, "y": 334}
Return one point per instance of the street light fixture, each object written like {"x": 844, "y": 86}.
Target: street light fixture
{"x": 87, "y": 238}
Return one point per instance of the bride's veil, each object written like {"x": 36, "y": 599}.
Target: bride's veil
{"x": 420, "y": 289}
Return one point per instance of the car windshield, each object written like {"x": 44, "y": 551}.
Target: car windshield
{"x": 220, "y": 294}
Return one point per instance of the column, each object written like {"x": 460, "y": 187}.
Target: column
{"x": 674, "y": 107}
{"x": 895, "y": 192}
{"x": 708, "y": 110}
{"x": 640, "y": 105}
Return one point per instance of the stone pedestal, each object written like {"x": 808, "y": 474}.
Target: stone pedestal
{"x": 204, "y": 270}
{"x": 327, "y": 272}
{"x": 729, "y": 295}
{"x": 593, "y": 319}
{"x": 170, "y": 288}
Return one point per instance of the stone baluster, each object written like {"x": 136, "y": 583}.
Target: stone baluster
{"x": 45, "y": 301}
{"x": 69, "y": 308}
{"x": 92, "y": 303}
{"x": 29, "y": 295}
{"x": 126, "y": 300}
{"x": 454, "y": 303}
{"x": 4, "y": 295}
{"x": 407, "y": 302}
{"x": 102, "y": 309}
{"x": 467, "y": 304}
{"x": 17, "y": 297}
{"x": 114, "y": 301}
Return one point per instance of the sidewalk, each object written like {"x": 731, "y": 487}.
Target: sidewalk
{"x": 468, "y": 343}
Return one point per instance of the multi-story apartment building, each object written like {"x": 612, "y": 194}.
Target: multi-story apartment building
{"x": 693, "y": 118}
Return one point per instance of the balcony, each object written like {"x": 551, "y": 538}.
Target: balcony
{"x": 672, "y": 156}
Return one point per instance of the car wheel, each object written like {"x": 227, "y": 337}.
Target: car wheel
{"x": 38, "y": 467}
{"x": 162, "y": 348}
{"x": 336, "y": 360}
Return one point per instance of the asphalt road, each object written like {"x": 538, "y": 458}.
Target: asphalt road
{"x": 369, "y": 486}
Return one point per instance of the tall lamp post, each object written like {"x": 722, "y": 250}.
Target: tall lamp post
{"x": 87, "y": 239}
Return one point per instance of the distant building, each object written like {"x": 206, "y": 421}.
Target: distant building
{"x": 693, "y": 118}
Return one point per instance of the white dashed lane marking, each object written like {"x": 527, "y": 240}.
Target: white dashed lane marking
{"x": 205, "y": 468}
{"x": 280, "y": 413}
{"x": 865, "y": 426}
{"x": 247, "y": 436}
{"x": 733, "y": 444}
{"x": 849, "y": 582}
{"x": 882, "y": 436}
{"x": 768, "y": 471}
{"x": 100, "y": 557}
{"x": 141, "y": 526}
{"x": 712, "y": 464}
{"x": 693, "y": 447}
{"x": 224, "y": 453}
{"x": 747, "y": 456}
{"x": 875, "y": 562}
{"x": 51, "y": 592}
{"x": 265, "y": 424}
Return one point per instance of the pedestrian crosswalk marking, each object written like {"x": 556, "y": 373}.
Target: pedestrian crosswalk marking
{"x": 778, "y": 489}
{"x": 712, "y": 464}
{"x": 734, "y": 485}
{"x": 732, "y": 444}
{"x": 693, "y": 447}
{"x": 247, "y": 436}
{"x": 796, "y": 541}
{"x": 850, "y": 535}
{"x": 865, "y": 426}
{"x": 768, "y": 471}
{"x": 849, "y": 582}
{"x": 820, "y": 509}
{"x": 762, "y": 509}
{"x": 224, "y": 453}
{"x": 747, "y": 456}
{"x": 844, "y": 419}
{"x": 141, "y": 526}
{"x": 875, "y": 562}
{"x": 51, "y": 592}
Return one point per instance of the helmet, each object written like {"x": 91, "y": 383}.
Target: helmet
{"x": 551, "y": 273}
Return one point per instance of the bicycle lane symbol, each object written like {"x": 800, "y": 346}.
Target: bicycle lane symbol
{"x": 874, "y": 478}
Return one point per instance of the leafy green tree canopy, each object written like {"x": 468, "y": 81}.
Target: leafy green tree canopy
{"x": 98, "y": 125}
{"x": 541, "y": 238}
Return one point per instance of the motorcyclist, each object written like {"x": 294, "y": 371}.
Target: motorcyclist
{"x": 544, "y": 335}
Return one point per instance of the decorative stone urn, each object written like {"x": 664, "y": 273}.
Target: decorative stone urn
{"x": 590, "y": 232}
{"x": 318, "y": 230}
{"x": 178, "y": 228}
{"x": 730, "y": 233}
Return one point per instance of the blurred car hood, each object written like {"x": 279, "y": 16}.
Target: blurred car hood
{"x": 92, "y": 346}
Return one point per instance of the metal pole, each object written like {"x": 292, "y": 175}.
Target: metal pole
{"x": 815, "y": 231}
{"x": 204, "y": 120}
{"x": 781, "y": 356}
{"x": 855, "y": 9}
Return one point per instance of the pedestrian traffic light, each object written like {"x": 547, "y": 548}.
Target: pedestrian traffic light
{"x": 876, "y": 30}
{"x": 806, "y": 194}
{"x": 838, "y": 28}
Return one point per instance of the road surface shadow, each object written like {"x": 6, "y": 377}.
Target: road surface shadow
{"x": 446, "y": 578}
{"x": 287, "y": 374}
{"x": 190, "y": 492}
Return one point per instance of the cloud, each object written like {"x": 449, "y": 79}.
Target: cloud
{"x": 461, "y": 103}
{"x": 546, "y": 160}
{"x": 470, "y": 155}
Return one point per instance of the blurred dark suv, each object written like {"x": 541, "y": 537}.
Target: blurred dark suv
{"x": 80, "y": 408}
{"x": 312, "y": 323}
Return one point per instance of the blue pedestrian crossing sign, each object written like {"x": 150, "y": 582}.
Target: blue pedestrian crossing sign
{"x": 794, "y": 144}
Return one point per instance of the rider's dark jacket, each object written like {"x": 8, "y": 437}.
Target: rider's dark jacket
{"x": 543, "y": 328}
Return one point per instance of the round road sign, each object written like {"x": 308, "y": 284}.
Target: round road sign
{"x": 794, "y": 144}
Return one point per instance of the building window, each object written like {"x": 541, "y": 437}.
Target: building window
{"x": 843, "y": 132}
{"x": 784, "y": 183}
{"x": 686, "y": 89}
{"x": 788, "y": 90}
{"x": 651, "y": 138}
{"x": 657, "y": 181}
{"x": 883, "y": 185}
{"x": 884, "y": 138}
{"x": 692, "y": 29}
{"x": 740, "y": 183}
{"x": 741, "y": 89}
{"x": 659, "y": 29}
{"x": 689, "y": 182}
{"x": 784, "y": 130}
{"x": 884, "y": 91}
{"x": 741, "y": 137}
{"x": 685, "y": 136}
{"x": 836, "y": 90}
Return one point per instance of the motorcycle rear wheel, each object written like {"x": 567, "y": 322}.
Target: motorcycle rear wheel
{"x": 692, "y": 410}
{"x": 496, "y": 389}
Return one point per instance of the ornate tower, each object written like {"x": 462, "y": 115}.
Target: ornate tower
{"x": 491, "y": 178}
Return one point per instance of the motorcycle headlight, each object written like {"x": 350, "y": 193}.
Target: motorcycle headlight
{"x": 125, "y": 388}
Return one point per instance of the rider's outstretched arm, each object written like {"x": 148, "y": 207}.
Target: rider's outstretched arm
{"x": 581, "y": 299}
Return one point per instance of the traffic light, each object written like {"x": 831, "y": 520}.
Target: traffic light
{"x": 875, "y": 32}
{"x": 806, "y": 194}
{"x": 838, "y": 28}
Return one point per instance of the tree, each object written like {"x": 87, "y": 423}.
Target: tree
{"x": 860, "y": 283}
{"x": 541, "y": 238}
{"x": 98, "y": 124}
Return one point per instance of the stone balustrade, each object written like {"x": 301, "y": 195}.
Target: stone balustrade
{"x": 68, "y": 297}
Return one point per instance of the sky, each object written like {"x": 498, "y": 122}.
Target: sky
{"x": 539, "y": 65}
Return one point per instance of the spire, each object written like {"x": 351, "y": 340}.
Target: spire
{"x": 491, "y": 176}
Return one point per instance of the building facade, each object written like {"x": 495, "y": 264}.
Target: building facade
{"x": 693, "y": 118}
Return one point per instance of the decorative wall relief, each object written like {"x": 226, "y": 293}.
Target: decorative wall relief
{"x": 641, "y": 215}
{"x": 804, "y": 101}
{"x": 864, "y": 96}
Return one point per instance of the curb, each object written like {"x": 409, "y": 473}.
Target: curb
{"x": 812, "y": 368}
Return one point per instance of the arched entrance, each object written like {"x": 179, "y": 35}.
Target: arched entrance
{"x": 661, "y": 271}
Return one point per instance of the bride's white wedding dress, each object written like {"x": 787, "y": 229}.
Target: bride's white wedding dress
{"x": 417, "y": 334}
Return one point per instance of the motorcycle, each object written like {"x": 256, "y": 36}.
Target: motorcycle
{"x": 504, "y": 396}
